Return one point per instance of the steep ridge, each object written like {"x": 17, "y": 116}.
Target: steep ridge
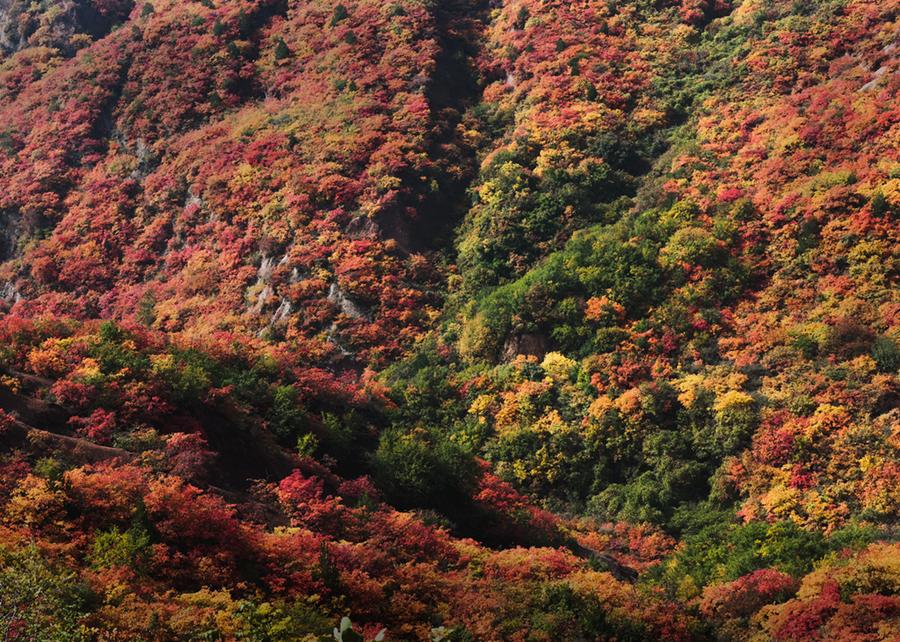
{"x": 345, "y": 135}
{"x": 518, "y": 320}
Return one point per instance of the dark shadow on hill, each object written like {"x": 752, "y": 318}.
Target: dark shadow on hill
{"x": 440, "y": 200}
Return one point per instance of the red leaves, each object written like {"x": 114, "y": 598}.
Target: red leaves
{"x": 730, "y": 194}
{"x": 512, "y": 515}
{"x": 806, "y": 621}
{"x": 746, "y": 595}
{"x": 304, "y": 499}
{"x": 266, "y": 176}
{"x": 98, "y": 427}
{"x": 187, "y": 456}
{"x": 774, "y": 441}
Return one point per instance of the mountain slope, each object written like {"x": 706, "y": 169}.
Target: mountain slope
{"x": 521, "y": 320}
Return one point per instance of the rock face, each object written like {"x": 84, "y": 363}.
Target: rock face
{"x": 528, "y": 344}
{"x": 347, "y": 305}
{"x": 53, "y": 24}
{"x": 11, "y": 36}
{"x": 10, "y": 231}
{"x": 363, "y": 227}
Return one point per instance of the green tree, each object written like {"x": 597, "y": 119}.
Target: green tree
{"x": 340, "y": 14}
{"x": 281, "y": 50}
{"x": 38, "y": 602}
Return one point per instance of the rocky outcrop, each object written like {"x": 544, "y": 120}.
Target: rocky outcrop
{"x": 53, "y": 24}
{"x": 347, "y": 305}
{"x": 528, "y": 344}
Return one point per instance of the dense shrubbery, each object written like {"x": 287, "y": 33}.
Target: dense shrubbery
{"x": 251, "y": 384}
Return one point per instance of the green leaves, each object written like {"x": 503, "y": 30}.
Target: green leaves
{"x": 424, "y": 470}
{"x": 37, "y": 601}
{"x": 116, "y": 548}
{"x": 340, "y": 14}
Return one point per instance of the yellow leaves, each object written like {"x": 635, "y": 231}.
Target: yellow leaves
{"x": 161, "y": 364}
{"x": 88, "y": 370}
{"x": 47, "y": 360}
{"x": 875, "y": 570}
{"x": 781, "y": 501}
{"x": 245, "y": 175}
{"x": 480, "y": 407}
{"x": 34, "y": 503}
{"x": 812, "y": 509}
{"x": 472, "y": 137}
{"x": 551, "y": 422}
{"x": 475, "y": 337}
{"x": 818, "y": 512}
{"x": 871, "y": 263}
{"x": 733, "y": 400}
{"x": 687, "y": 589}
{"x": 558, "y": 367}
{"x": 201, "y": 274}
{"x": 725, "y": 385}
{"x": 689, "y": 388}
{"x": 388, "y": 183}
{"x": 506, "y": 417}
{"x": 826, "y": 180}
{"x": 692, "y": 245}
{"x": 891, "y": 192}
{"x": 601, "y": 584}
{"x": 813, "y": 333}
{"x": 273, "y": 209}
{"x": 521, "y": 406}
{"x": 10, "y": 383}
{"x": 745, "y": 12}
{"x": 219, "y": 602}
{"x": 865, "y": 463}
{"x": 735, "y": 381}
{"x": 599, "y": 407}
{"x": 509, "y": 178}
{"x": 561, "y": 156}
{"x": 826, "y": 421}
{"x": 520, "y": 472}
{"x": 880, "y": 486}
{"x": 649, "y": 117}
{"x": 863, "y": 365}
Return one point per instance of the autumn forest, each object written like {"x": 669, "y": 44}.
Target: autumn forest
{"x": 449, "y": 320}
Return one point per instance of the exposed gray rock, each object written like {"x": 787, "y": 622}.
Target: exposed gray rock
{"x": 334, "y": 340}
{"x": 282, "y": 313}
{"x": 363, "y": 227}
{"x": 265, "y": 269}
{"x": 11, "y": 230}
{"x": 264, "y": 295}
{"x": 10, "y": 293}
{"x": 349, "y": 307}
{"x": 877, "y": 76}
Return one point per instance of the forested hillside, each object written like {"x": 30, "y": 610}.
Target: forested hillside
{"x": 466, "y": 320}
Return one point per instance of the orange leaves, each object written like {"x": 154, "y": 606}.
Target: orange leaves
{"x": 603, "y": 311}
{"x": 521, "y": 564}
{"x": 111, "y": 493}
{"x": 47, "y": 360}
